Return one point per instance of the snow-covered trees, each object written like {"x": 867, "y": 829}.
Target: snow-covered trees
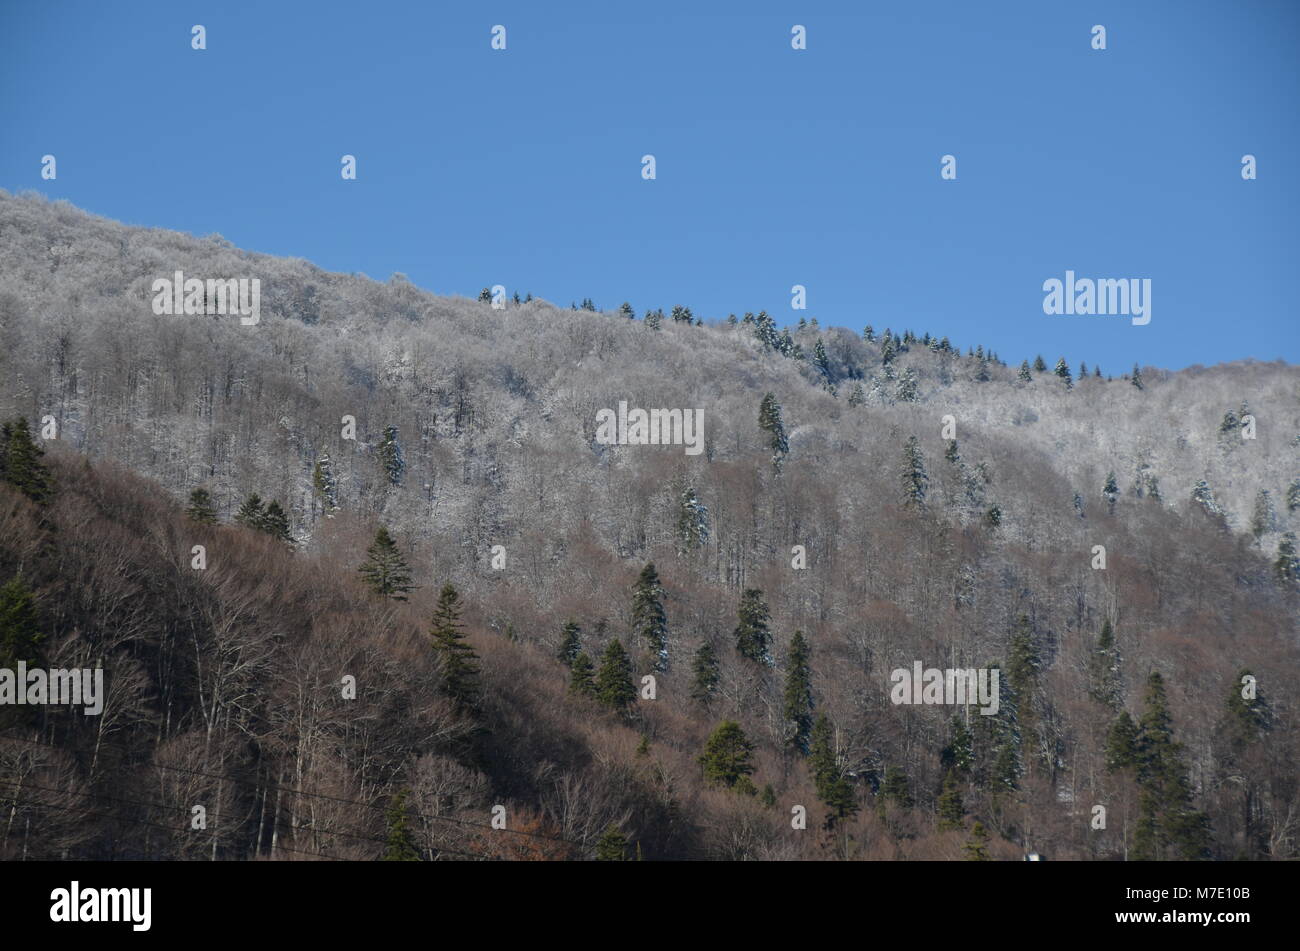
{"x": 1203, "y": 495}
{"x": 915, "y": 478}
{"x": 391, "y": 457}
{"x": 769, "y": 421}
{"x": 1110, "y": 492}
{"x": 324, "y": 484}
{"x": 692, "y": 521}
{"x": 1063, "y": 371}
{"x": 906, "y": 391}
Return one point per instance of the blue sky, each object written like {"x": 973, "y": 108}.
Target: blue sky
{"x": 775, "y": 167}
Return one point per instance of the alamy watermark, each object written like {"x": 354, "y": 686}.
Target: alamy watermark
{"x": 970, "y": 686}
{"x": 80, "y": 686}
{"x": 655, "y": 427}
{"x": 193, "y": 295}
{"x": 1125, "y": 297}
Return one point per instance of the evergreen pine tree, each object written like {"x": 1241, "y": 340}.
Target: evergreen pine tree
{"x": 275, "y": 522}
{"x": 705, "y": 674}
{"x": 857, "y": 396}
{"x": 1287, "y": 565}
{"x": 22, "y": 467}
{"x": 649, "y": 622}
{"x": 385, "y": 570}
{"x": 611, "y": 846}
{"x": 833, "y": 787}
{"x": 391, "y": 457}
{"x": 692, "y": 521}
{"x": 1024, "y": 375}
{"x": 1136, "y": 378}
{"x": 626, "y": 311}
{"x": 821, "y": 362}
{"x": 1166, "y": 800}
{"x": 1110, "y": 492}
{"x": 1203, "y": 495}
{"x": 250, "y": 514}
{"x": 959, "y": 754}
{"x": 1122, "y": 744}
{"x": 753, "y": 639}
{"x": 614, "y": 686}
{"x": 769, "y": 420}
{"x": 906, "y": 391}
{"x": 1263, "y": 519}
{"x": 1040, "y": 365}
{"x": 951, "y": 810}
{"x": 726, "y": 758}
{"x": 580, "y": 675}
{"x": 977, "y": 846}
{"x": 20, "y": 633}
{"x": 797, "y": 699}
{"x": 201, "y": 509}
{"x": 1105, "y": 685}
{"x": 324, "y": 483}
{"x": 400, "y": 846}
{"x": 570, "y": 642}
{"x": 914, "y": 475}
{"x": 456, "y": 658}
{"x": 894, "y": 788}
{"x": 1063, "y": 371}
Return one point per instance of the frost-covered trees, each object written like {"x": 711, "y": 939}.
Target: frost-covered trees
{"x": 1202, "y": 494}
{"x": 692, "y": 521}
{"x": 1263, "y": 519}
{"x": 914, "y": 475}
{"x": 1063, "y": 371}
{"x": 1287, "y": 564}
{"x": 906, "y": 390}
{"x": 821, "y": 362}
{"x": 391, "y": 456}
{"x": 769, "y": 421}
{"x": 1110, "y": 491}
{"x": 324, "y": 484}
{"x": 1024, "y": 375}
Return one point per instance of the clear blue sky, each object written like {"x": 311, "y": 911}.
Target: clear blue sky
{"x": 775, "y": 167}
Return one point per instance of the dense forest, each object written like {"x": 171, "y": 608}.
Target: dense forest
{"x": 366, "y": 581}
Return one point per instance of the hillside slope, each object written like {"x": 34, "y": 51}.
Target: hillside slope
{"x": 496, "y": 413}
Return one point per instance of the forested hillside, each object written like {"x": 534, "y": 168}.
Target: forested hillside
{"x": 861, "y": 502}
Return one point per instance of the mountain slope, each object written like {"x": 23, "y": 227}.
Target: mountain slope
{"x": 496, "y": 412}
